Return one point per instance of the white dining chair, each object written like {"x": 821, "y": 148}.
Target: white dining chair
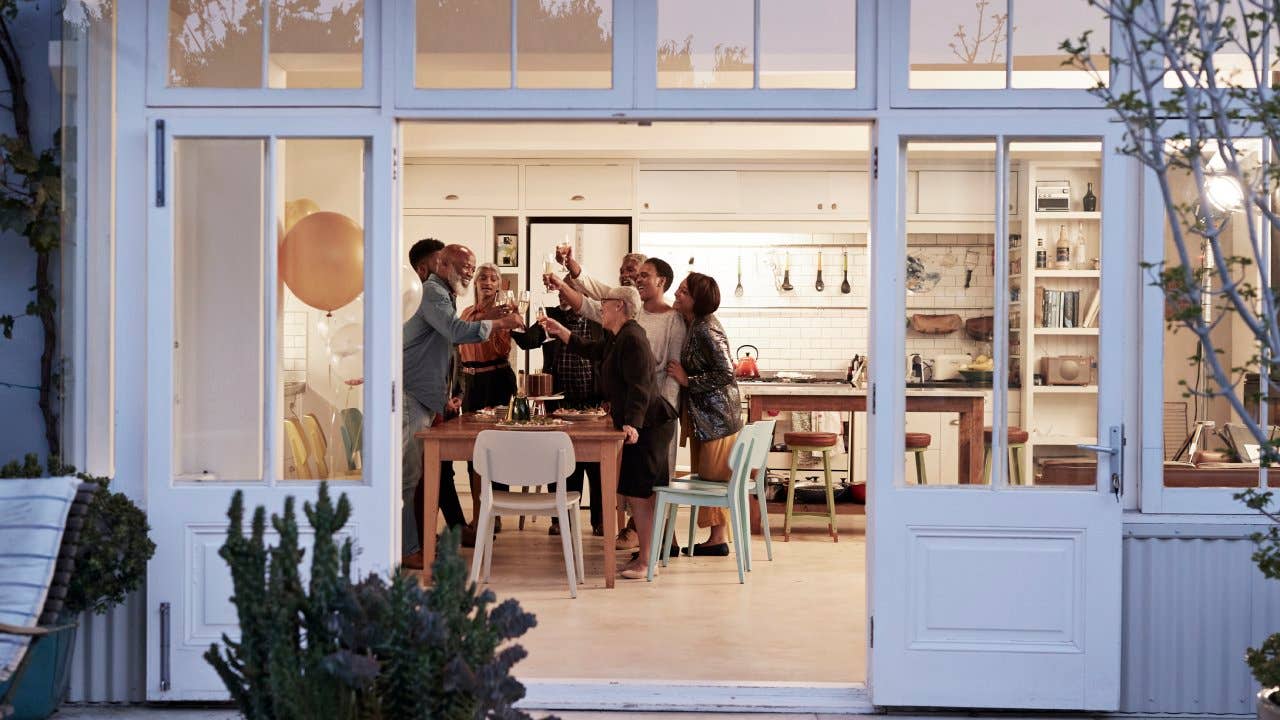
{"x": 524, "y": 459}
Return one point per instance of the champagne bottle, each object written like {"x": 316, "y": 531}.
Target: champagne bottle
{"x": 1090, "y": 201}
{"x": 1062, "y": 253}
{"x": 520, "y": 403}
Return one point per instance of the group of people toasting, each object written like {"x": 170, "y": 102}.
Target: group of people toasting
{"x": 660, "y": 370}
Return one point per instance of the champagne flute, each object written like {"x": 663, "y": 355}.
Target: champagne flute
{"x": 523, "y": 305}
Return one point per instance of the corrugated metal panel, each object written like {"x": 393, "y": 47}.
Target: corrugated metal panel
{"x": 1191, "y": 607}
{"x": 110, "y": 661}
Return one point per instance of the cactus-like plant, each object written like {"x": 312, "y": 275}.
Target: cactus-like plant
{"x": 367, "y": 650}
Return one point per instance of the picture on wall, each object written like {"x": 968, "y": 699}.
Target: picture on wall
{"x": 506, "y": 250}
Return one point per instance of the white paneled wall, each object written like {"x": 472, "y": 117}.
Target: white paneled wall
{"x": 804, "y": 329}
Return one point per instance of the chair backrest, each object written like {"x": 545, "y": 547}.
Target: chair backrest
{"x": 352, "y": 425}
{"x": 317, "y": 445}
{"x": 740, "y": 456}
{"x": 762, "y": 433}
{"x": 519, "y": 458}
{"x": 297, "y": 450}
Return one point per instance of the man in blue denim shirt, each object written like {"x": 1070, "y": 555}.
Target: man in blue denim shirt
{"x": 429, "y": 337}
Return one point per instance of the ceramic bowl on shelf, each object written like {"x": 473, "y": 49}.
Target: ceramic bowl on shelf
{"x": 978, "y": 376}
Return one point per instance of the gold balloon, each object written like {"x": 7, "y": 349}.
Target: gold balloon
{"x": 322, "y": 260}
{"x": 295, "y": 210}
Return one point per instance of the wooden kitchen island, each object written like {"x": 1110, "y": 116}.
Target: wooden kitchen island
{"x": 967, "y": 403}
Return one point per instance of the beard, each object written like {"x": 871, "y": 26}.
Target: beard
{"x": 458, "y": 284}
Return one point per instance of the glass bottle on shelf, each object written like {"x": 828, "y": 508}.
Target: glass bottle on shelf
{"x": 1042, "y": 255}
{"x": 1081, "y": 251}
{"x": 1062, "y": 252}
{"x": 1090, "y": 201}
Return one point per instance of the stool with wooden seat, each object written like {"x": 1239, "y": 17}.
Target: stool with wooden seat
{"x": 917, "y": 443}
{"x": 820, "y": 442}
{"x": 1017, "y": 441}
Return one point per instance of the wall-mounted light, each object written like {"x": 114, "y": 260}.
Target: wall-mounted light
{"x": 1224, "y": 193}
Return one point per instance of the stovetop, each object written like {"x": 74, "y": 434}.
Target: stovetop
{"x": 819, "y": 377}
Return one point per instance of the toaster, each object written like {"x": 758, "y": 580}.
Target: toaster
{"x": 1066, "y": 369}
{"x": 947, "y": 367}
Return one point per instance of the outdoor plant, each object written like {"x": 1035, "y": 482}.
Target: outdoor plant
{"x": 371, "y": 649}
{"x": 114, "y": 543}
{"x": 1197, "y": 128}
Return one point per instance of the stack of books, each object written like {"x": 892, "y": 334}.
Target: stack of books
{"x": 1063, "y": 309}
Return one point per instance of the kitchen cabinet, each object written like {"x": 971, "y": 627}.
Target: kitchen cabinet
{"x": 469, "y": 230}
{"x": 688, "y": 191}
{"x": 785, "y": 192}
{"x": 578, "y": 187}
{"x": 958, "y": 193}
{"x": 470, "y": 187}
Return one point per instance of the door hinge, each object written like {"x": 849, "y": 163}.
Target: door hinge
{"x": 395, "y": 163}
{"x": 159, "y": 163}
{"x": 393, "y": 396}
{"x": 871, "y": 632}
{"x": 875, "y": 162}
{"x": 164, "y": 647}
{"x": 873, "y": 398}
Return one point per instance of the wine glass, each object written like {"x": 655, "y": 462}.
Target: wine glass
{"x": 562, "y": 250}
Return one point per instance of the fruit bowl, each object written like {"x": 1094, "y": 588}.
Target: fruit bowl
{"x": 977, "y": 376}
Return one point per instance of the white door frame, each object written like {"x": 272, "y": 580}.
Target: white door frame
{"x": 913, "y": 660}
{"x": 176, "y": 636}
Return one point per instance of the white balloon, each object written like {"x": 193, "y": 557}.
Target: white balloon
{"x": 410, "y": 292}
{"x": 350, "y": 369}
{"x": 352, "y": 312}
{"x": 348, "y": 340}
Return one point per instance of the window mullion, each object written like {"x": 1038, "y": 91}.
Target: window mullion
{"x": 515, "y": 43}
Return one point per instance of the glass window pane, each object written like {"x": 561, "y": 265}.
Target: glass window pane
{"x": 564, "y": 44}
{"x": 463, "y": 44}
{"x": 1233, "y": 63}
{"x": 320, "y": 318}
{"x": 1040, "y": 27}
{"x": 707, "y": 44}
{"x": 808, "y": 43}
{"x": 316, "y": 44}
{"x": 1054, "y": 312}
{"x": 1206, "y": 444}
{"x": 958, "y": 45}
{"x": 215, "y": 44}
{"x": 218, "y": 291}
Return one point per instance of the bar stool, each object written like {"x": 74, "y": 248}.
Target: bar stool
{"x": 1017, "y": 441}
{"x": 798, "y": 442}
{"x": 917, "y": 444}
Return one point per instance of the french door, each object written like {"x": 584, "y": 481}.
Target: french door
{"x": 997, "y": 584}
{"x": 269, "y": 353}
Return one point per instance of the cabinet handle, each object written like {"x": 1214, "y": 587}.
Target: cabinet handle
{"x": 646, "y": 206}
{"x": 450, "y": 196}
{"x": 819, "y": 206}
{"x": 577, "y": 198}
{"x": 834, "y": 206}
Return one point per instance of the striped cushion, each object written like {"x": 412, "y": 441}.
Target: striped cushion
{"x": 33, "y": 514}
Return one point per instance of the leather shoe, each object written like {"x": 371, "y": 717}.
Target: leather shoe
{"x": 675, "y": 553}
{"x": 717, "y": 550}
{"x": 412, "y": 562}
{"x": 468, "y": 536}
{"x": 597, "y": 530}
{"x": 555, "y": 528}
{"x": 628, "y": 539}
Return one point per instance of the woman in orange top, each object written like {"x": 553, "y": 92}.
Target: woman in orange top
{"x": 487, "y": 377}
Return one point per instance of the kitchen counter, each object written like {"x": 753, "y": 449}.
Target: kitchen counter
{"x": 969, "y": 404}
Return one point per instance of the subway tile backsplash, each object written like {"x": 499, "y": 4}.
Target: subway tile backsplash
{"x": 804, "y": 329}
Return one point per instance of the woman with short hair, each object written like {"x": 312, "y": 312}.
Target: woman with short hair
{"x": 635, "y": 406}
{"x": 712, "y": 413}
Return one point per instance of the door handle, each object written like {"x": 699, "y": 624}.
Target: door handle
{"x": 1115, "y": 454}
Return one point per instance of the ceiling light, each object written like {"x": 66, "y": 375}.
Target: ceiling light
{"x": 1224, "y": 193}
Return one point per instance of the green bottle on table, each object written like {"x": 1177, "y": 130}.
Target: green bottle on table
{"x": 519, "y": 411}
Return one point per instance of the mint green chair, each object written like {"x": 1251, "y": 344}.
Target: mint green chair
{"x": 732, "y": 495}
{"x": 352, "y": 424}
{"x": 762, "y": 433}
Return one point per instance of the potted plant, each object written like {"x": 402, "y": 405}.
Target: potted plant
{"x": 110, "y": 564}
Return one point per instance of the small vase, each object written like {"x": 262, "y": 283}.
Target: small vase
{"x": 1268, "y": 705}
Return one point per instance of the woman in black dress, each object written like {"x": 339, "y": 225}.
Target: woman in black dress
{"x": 637, "y": 409}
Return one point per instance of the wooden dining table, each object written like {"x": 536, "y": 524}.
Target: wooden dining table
{"x": 594, "y": 440}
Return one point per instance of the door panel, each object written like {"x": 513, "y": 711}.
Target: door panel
{"x": 310, "y": 353}
{"x": 985, "y": 593}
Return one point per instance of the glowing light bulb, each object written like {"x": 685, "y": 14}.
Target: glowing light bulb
{"x": 1224, "y": 193}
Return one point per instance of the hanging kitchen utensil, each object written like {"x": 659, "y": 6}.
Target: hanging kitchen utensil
{"x": 786, "y": 274}
{"x": 970, "y": 264}
{"x": 845, "y": 287}
{"x": 818, "y": 284}
{"x": 737, "y": 292}
{"x": 746, "y": 367}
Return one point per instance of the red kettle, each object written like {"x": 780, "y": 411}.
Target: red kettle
{"x": 745, "y": 367}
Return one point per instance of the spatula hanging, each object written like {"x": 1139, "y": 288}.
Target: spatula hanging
{"x": 845, "y": 288}
{"x": 818, "y": 284}
{"x": 786, "y": 273}
{"x": 737, "y": 292}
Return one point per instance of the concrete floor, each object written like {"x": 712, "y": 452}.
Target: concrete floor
{"x": 800, "y": 618}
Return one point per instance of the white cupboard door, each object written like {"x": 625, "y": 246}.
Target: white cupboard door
{"x": 578, "y": 187}
{"x": 464, "y": 187}
{"x": 469, "y": 230}
{"x": 968, "y": 193}
{"x": 784, "y": 192}
{"x": 848, "y": 192}
{"x": 243, "y": 392}
{"x": 688, "y": 191}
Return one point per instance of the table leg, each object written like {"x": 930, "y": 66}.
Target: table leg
{"x": 970, "y": 445}
{"x": 609, "y": 459}
{"x": 430, "y": 504}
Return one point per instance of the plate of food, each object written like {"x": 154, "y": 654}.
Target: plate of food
{"x": 591, "y": 412}
{"x": 492, "y": 414}
{"x": 537, "y": 423}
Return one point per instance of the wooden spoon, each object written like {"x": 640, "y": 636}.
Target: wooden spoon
{"x": 844, "y": 286}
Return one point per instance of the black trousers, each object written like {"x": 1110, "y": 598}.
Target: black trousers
{"x": 574, "y": 484}
{"x": 450, "y": 504}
